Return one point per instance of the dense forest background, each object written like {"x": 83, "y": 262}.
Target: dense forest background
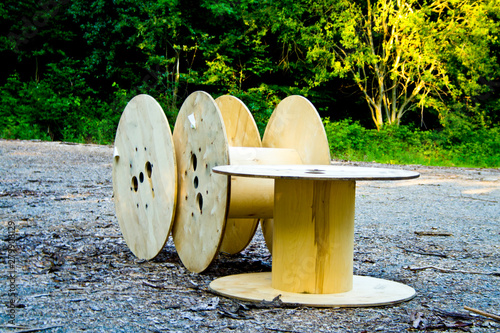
{"x": 401, "y": 81}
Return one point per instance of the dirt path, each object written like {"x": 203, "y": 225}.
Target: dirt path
{"x": 64, "y": 258}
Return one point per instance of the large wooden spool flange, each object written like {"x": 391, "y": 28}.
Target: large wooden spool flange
{"x": 200, "y": 144}
{"x": 295, "y": 124}
{"x": 144, "y": 176}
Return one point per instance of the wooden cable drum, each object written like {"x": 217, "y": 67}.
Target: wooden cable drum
{"x": 295, "y": 124}
{"x": 203, "y": 138}
{"x": 144, "y": 176}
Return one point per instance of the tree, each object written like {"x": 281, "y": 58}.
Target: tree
{"x": 402, "y": 54}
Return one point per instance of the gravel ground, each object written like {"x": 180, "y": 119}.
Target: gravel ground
{"x": 66, "y": 268}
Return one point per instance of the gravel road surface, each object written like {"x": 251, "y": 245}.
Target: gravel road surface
{"x": 66, "y": 268}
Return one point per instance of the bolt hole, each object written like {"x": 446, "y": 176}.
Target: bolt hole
{"x": 315, "y": 171}
{"x": 195, "y": 182}
{"x": 141, "y": 177}
{"x": 194, "y": 161}
{"x": 135, "y": 183}
{"x": 149, "y": 169}
{"x": 199, "y": 200}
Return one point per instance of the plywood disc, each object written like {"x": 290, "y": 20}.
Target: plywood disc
{"x": 366, "y": 291}
{"x": 144, "y": 176}
{"x": 200, "y": 144}
{"x": 296, "y": 124}
{"x": 241, "y": 131}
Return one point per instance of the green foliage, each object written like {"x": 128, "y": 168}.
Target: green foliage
{"x": 401, "y": 54}
{"x": 72, "y": 66}
{"x": 459, "y": 146}
{"x": 46, "y": 114}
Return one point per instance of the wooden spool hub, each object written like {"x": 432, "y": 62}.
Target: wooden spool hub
{"x": 241, "y": 131}
{"x": 144, "y": 176}
{"x": 204, "y": 138}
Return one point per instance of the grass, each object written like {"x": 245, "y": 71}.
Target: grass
{"x": 460, "y": 147}
{"x": 463, "y": 146}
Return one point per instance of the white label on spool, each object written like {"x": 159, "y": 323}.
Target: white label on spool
{"x": 192, "y": 120}
{"x": 115, "y": 153}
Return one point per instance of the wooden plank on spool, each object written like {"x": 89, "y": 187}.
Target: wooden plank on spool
{"x": 144, "y": 177}
{"x": 202, "y": 196}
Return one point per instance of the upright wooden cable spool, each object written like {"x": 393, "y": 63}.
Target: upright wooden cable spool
{"x": 205, "y": 199}
{"x": 144, "y": 176}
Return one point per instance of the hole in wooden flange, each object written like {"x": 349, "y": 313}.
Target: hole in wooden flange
{"x": 199, "y": 200}
{"x": 194, "y": 161}
{"x": 195, "y": 182}
{"x": 315, "y": 171}
{"x": 141, "y": 177}
{"x": 149, "y": 169}
{"x": 135, "y": 183}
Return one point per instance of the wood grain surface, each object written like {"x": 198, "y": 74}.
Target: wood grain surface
{"x": 144, "y": 176}
{"x": 200, "y": 145}
{"x": 296, "y": 124}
